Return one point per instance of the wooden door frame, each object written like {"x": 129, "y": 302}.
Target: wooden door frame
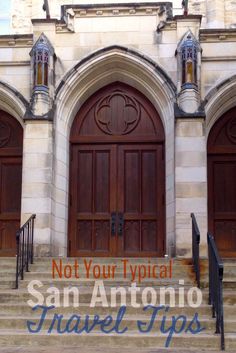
{"x": 76, "y": 139}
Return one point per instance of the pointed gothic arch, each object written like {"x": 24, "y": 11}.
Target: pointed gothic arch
{"x": 97, "y": 70}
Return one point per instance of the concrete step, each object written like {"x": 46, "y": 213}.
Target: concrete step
{"x": 85, "y": 308}
{"x": 85, "y": 295}
{"x": 114, "y": 260}
{"x": 21, "y": 296}
{"x": 20, "y": 323}
{"x": 129, "y": 340}
{"x": 109, "y": 282}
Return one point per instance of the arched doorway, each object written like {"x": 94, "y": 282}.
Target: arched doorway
{"x": 11, "y": 146}
{"x": 222, "y": 183}
{"x": 117, "y": 176}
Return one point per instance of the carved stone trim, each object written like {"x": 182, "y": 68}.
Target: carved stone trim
{"x": 116, "y": 9}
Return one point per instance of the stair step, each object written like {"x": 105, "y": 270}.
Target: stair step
{"x": 85, "y": 308}
{"x": 129, "y": 339}
{"x": 20, "y": 323}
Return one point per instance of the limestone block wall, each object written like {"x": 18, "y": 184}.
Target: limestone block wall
{"x": 190, "y": 183}
{"x": 37, "y": 181}
{"x": 15, "y": 63}
{"x": 218, "y": 59}
{"x": 230, "y": 14}
{"x": 216, "y": 13}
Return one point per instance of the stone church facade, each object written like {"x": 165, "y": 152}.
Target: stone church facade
{"x": 120, "y": 110}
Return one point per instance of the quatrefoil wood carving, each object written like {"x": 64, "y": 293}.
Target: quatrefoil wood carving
{"x": 117, "y": 113}
{"x": 5, "y": 133}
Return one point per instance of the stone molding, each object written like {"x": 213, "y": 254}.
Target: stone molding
{"x": 119, "y": 9}
{"x": 16, "y": 40}
{"x": 217, "y": 35}
{"x": 12, "y": 101}
{"x": 219, "y": 100}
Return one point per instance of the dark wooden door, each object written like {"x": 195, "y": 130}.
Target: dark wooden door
{"x": 117, "y": 172}
{"x": 140, "y": 200}
{"x": 11, "y": 139}
{"x": 92, "y": 200}
{"x": 222, "y": 183}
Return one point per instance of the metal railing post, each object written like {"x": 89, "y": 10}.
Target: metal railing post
{"x": 17, "y": 257}
{"x": 24, "y": 248}
{"x": 195, "y": 248}
{"x": 216, "y": 273}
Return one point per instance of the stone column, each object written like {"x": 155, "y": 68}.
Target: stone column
{"x": 215, "y": 13}
{"x": 190, "y": 183}
{"x": 37, "y": 182}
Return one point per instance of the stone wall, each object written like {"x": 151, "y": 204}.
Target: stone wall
{"x": 93, "y": 48}
{"x": 216, "y": 13}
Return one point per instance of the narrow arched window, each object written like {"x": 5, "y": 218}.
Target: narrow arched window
{"x": 41, "y": 67}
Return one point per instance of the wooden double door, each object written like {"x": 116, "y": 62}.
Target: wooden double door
{"x": 117, "y": 207}
{"x": 11, "y": 142}
{"x": 222, "y": 183}
{"x": 117, "y": 188}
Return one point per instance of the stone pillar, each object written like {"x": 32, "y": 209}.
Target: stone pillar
{"x": 37, "y": 182}
{"x": 215, "y": 13}
{"x": 189, "y": 100}
{"x": 190, "y": 183}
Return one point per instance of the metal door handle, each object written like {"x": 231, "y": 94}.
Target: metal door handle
{"x": 113, "y": 223}
{"x": 120, "y": 224}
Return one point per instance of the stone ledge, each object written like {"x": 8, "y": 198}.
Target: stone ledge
{"x": 16, "y": 40}
{"x": 119, "y": 9}
{"x": 180, "y": 114}
{"x": 217, "y": 35}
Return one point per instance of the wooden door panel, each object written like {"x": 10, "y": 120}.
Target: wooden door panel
{"x": 140, "y": 185}
{"x": 8, "y": 229}
{"x": 11, "y": 171}
{"x": 92, "y": 199}
{"x": 225, "y": 186}
{"x": 222, "y": 202}
{"x": 10, "y": 203}
{"x": 225, "y": 236}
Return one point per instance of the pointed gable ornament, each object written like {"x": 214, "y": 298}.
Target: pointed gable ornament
{"x": 42, "y": 67}
{"x": 188, "y": 54}
{"x": 42, "y": 55}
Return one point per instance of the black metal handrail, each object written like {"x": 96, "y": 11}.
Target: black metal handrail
{"x": 216, "y": 272}
{"x": 24, "y": 248}
{"x": 195, "y": 248}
